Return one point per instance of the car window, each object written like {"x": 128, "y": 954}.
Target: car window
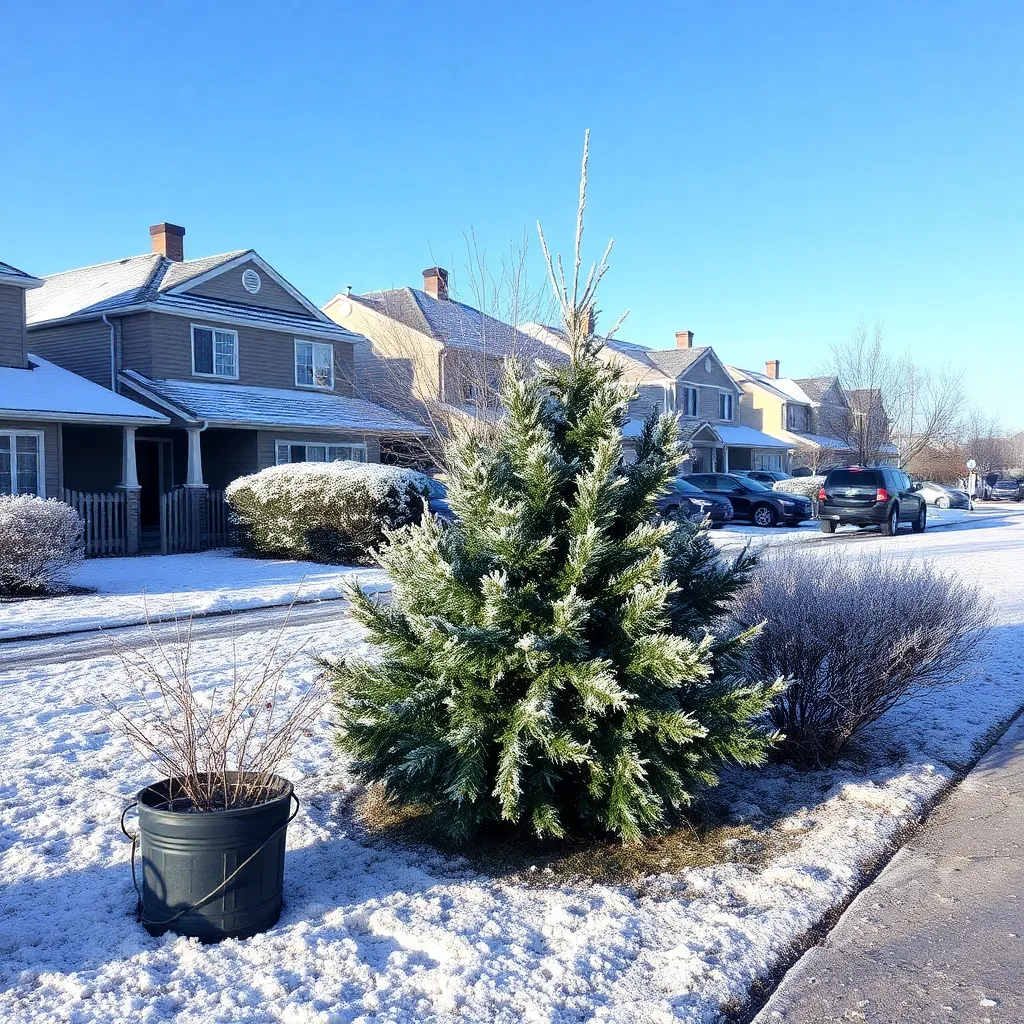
{"x": 754, "y": 484}
{"x": 731, "y": 485}
{"x": 703, "y": 482}
{"x": 685, "y": 487}
{"x": 852, "y": 478}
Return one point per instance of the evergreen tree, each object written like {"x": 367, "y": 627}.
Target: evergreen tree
{"x": 545, "y": 660}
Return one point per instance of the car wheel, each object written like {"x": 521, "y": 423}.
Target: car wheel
{"x": 943, "y": 502}
{"x": 828, "y": 526}
{"x": 764, "y": 515}
{"x": 892, "y": 524}
{"x": 921, "y": 522}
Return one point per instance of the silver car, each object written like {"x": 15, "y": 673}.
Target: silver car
{"x": 942, "y": 496}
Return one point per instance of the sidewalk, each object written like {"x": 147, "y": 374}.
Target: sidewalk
{"x": 939, "y": 936}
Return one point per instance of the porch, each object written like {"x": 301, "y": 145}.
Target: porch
{"x": 721, "y": 448}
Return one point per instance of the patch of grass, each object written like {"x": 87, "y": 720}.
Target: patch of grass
{"x": 705, "y": 837}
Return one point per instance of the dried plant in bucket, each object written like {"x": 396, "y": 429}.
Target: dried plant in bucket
{"x": 212, "y": 832}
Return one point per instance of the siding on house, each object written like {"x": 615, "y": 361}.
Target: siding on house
{"x": 82, "y": 348}
{"x": 12, "y": 327}
{"x": 227, "y": 287}
{"x": 160, "y": 346}
{"x": 92, "y": 457}
{"x": 267, "y": 440}
{"x": 51, "y": 450}
{"x": 716, "y": 378}
{"x": 228, "y": 454}
{"x": 648, "y": 395}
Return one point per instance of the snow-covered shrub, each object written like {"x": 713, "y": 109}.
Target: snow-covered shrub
{"x": 40, "y": 544}
{"x": 805, "y": 486}
{"x": 325, "y": 511}
{"x": 855, "y": 637}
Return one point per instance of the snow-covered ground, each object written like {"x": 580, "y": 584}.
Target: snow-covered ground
{"x": 132, "y": 590}
{"x": 377, "y": 933}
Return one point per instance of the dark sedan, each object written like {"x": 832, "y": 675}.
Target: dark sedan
{"x": 689, "y": 502}
{"x": 768, "y": 477}
{"x": 753, "y": 501}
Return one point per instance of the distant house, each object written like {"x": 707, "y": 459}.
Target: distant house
{"x": 692, "y": 382}
{"x": 42, "y": 405}
{"x": 238, "y": 369}
{"x": 812, "y": 414}
{"x": 428, "y": 355}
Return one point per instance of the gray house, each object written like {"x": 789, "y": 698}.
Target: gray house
{"x": 42, "y": 405}
{"x": 243, "y": 371}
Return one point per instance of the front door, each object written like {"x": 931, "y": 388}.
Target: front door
{"x": 153, "y": 464}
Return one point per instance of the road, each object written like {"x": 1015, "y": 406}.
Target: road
{"x": 97, "y": 643}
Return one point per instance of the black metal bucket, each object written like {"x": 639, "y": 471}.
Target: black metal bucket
{"x": 211, "y": 874}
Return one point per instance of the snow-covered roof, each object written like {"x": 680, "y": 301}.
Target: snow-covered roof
{"x": 238, "y": 405}
{"x": 12, "y": 275}
{"x": 49, "y": 392}
{"x": 457, "y": 325}
{"x": 816, "y": 387}
{"x": 153, "y": 282}
{"x": 748, "y": 437}
{"x": 801, "y": 440}
{"x": 783, "y": 387}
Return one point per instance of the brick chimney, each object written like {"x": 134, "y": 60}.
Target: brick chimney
{"x": 684, "y": 339}
{"x": 435, "y": 282}
{"x": 771, "y": 369}
{"x": 590, "y": 321}
{"x": 167, "y": 240}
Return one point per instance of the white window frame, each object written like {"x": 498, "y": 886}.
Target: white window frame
{"x": 732, "y": 405}
{"x": 295, "y": 362}
{"x": 354, "y": 446}
{"x": 215, "y": 331}
{"x": 40, "y": 436}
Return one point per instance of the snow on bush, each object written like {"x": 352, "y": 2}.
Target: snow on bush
{"x": 40, "y": 544}
{"x": 806, "y": 486}
{"x": 855, "y": 637}
{"x": 325, "y": 511}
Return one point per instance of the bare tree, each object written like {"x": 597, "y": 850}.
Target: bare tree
{"x": 893, "y": 401}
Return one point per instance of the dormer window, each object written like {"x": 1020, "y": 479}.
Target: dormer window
{"x": 724, "y": 405}
{"x": 314, "y": 365}
{"x": 214, "y": 352}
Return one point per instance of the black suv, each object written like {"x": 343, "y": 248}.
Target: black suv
{"x": 752, "y": 500}
{"x": 882, "y": 497}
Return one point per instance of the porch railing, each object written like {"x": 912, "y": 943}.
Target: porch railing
{"x": 218, "y": 522}
{"x": 104, "y": 519}
{"x": 185, "y": 525}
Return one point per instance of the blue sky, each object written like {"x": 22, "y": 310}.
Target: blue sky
{"x": 773, "y": 173}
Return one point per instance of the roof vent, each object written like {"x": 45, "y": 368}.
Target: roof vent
{"x": 251, "y": 281}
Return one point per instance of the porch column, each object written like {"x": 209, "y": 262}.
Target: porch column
{"x": 196, "y": 489}
{"x": 194, "y": 475}
{"x": 132, "y": 492}
{"x": 725, "y": 459}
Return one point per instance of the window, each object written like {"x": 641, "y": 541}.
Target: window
{"x": 768, "y": 462}
{"x": 21, "y": 463}
{"x": 318, "y": 451}
{"x": 314, "y": 365}
{"x": 470, "y": 393}
{"x": 689, "y": 401}
{"x": 724, "y": 405}
{"x": 796, "y": 417}
{"x": 214, "y": 352}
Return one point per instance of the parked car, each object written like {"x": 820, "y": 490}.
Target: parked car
{"x": 437, "y": 501}
{"x": 942, "y": 496}
{"x": 694, "y": 504}
{"x": 768, "y": 477}
{"x": 1005, "y": 490}
{"x": 752, "y": 500}
{"x": 882, "y": 497}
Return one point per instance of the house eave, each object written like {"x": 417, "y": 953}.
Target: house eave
{"x": 56, "y": 416}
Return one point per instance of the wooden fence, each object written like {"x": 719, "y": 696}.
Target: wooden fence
{"x": 105, "y": 521}
{"x": 181, "y": 529}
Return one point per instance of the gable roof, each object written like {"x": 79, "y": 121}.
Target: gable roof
{"x": 817, "y": 387}
{"x": 236, "y": 405}
{"x": 782, "y": 387}
{"x": 455, "y": 324}
{"x": 44, "y": 391}
{"x": 153, "y": 282}
{"x": 12, "y": 275}
{"x": 675, "y": 361}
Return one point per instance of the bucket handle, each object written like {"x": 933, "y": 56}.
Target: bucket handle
{"x": 213, "y": 892}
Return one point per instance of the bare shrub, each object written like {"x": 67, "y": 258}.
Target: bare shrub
{"x": 856, "y": 637}
{"x": 40, "y": 545}
{"x": 221, "y": 746}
